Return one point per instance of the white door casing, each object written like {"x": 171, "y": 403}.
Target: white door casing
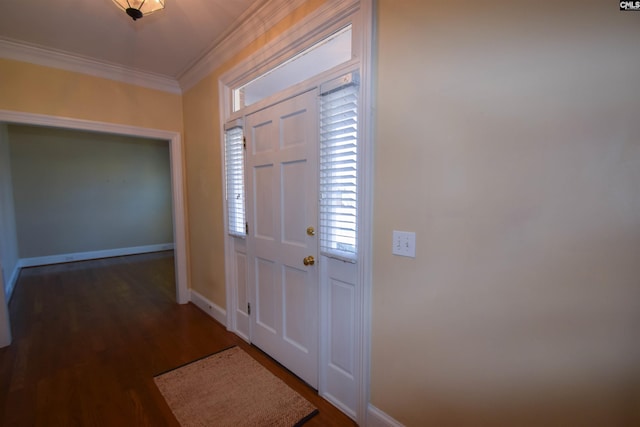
{"x": 282, "y": 188}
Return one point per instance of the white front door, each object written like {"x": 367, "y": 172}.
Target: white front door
{"x": 282, "y": 197}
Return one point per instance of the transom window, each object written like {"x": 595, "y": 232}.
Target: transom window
{"x": 324, "y": 55}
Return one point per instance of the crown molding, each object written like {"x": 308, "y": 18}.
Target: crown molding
{"x": 251, "y": 25}
{"x": 25, "y": 52}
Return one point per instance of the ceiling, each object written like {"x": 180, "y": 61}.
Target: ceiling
{"x": 166, "y": 42}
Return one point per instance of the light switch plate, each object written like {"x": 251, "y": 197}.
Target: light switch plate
{"x": 404, "y": 243}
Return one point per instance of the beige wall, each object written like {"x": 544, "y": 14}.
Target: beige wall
{"x": 204, "y": 186}
{"x": 508, "y": 139}
{"x": 204, "y": 168}
{"x": 43, "y": 90}
{"x": 82, "y": 191}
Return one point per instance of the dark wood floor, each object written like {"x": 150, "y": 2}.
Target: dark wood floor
{"x": 88, "y": 337}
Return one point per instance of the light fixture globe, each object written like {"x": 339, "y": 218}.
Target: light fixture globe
{"x": 136, "y": 9}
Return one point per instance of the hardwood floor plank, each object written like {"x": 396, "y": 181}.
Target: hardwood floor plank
{"x": 90, "y": 336}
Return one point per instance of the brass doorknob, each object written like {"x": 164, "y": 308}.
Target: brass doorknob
{"x": 309, "y": 260}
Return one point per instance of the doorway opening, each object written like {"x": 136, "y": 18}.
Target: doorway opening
{"x": 175, "y": 155}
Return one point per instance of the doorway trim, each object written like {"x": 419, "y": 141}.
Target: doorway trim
{"x": 175, "y": 154}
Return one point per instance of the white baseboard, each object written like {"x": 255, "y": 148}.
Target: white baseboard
{"x": 209, "y": 307}
{"x": 83, "y": 256}
{"x": 377, "y": 418}
{"x": 12, "y": 281}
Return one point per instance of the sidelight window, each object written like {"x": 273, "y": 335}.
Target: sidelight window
{"x": 234, "y": 175}
{"x": 339, "y": 167}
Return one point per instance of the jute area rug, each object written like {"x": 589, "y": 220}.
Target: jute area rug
{"x": 231, "y": 389}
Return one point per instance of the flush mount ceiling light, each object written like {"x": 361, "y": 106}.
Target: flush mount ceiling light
{"x": 139, "y": 8}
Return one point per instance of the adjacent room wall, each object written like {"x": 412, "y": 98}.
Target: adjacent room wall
{"x": 8, "y": 242}
{"x": 508, "y": 139}
{"x": 79, "y": 192}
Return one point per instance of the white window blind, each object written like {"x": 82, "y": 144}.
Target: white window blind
{"x": 234, "y": 172}
{"x": 338, "y": 168}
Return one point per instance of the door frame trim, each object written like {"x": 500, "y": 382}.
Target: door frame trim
{"x": 177, "y": 179}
